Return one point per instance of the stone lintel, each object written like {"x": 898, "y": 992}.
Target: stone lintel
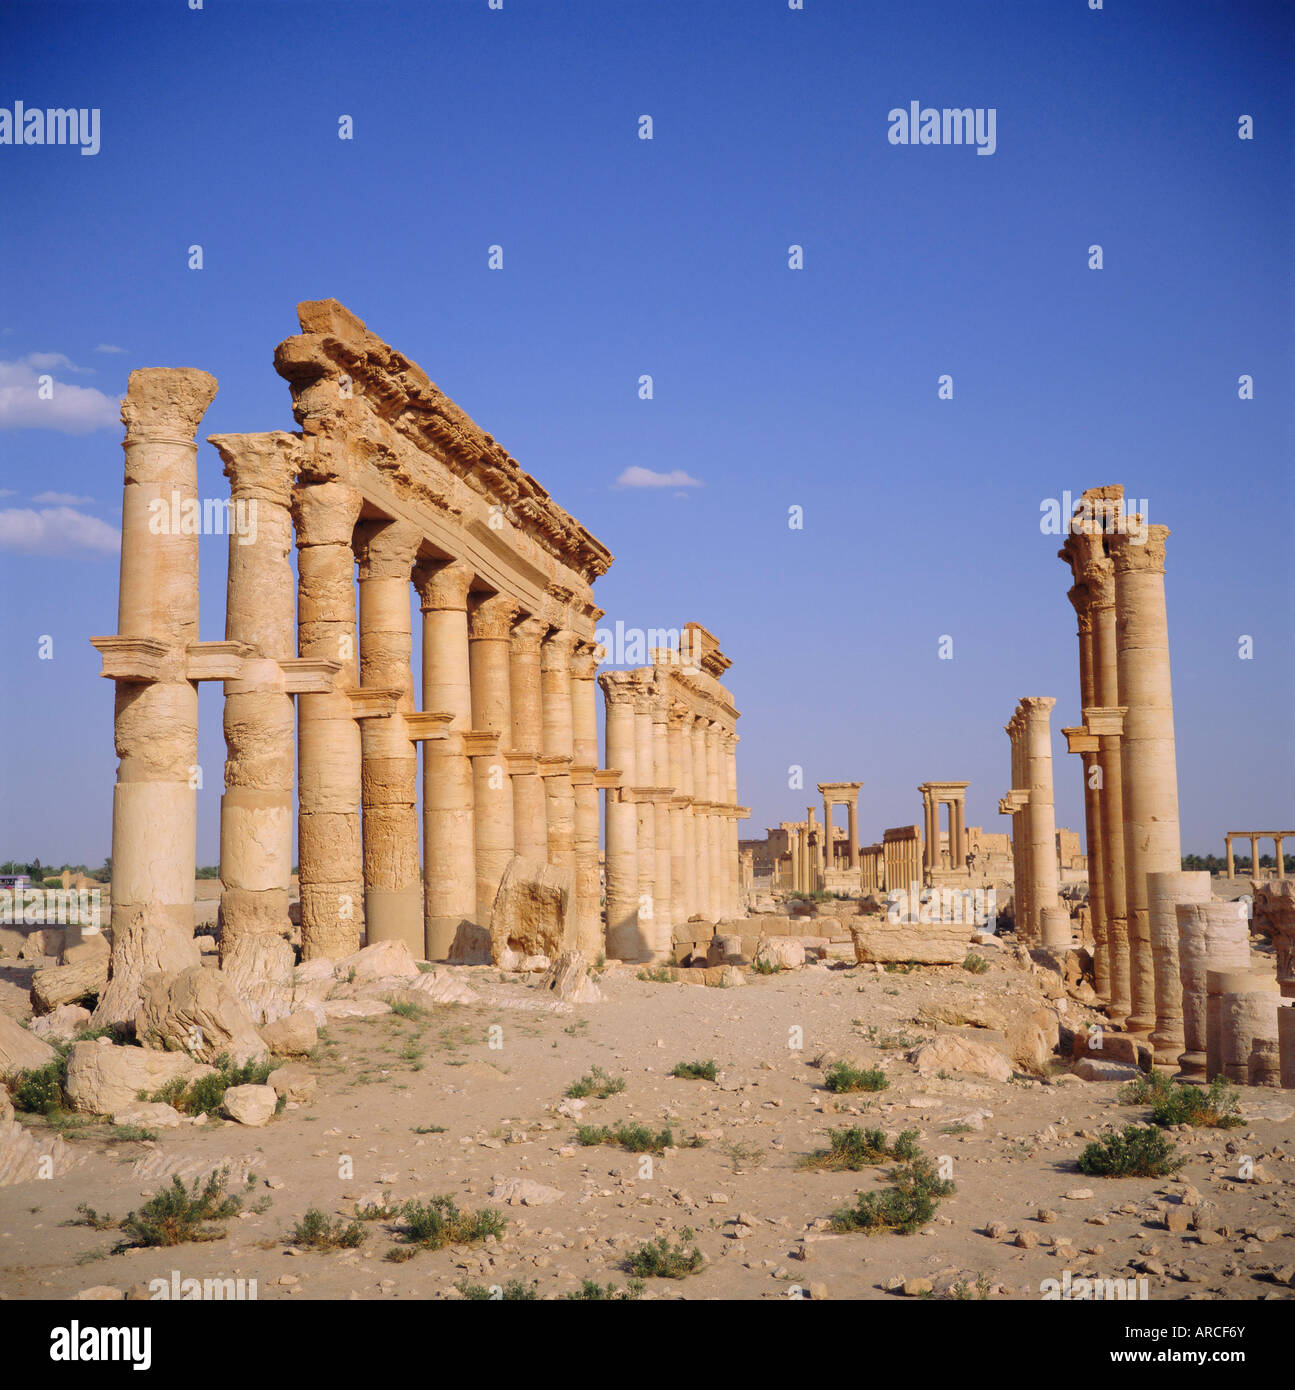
{"x": 608, "y": 778}
{"x": 481, "y": 743}
{"x": 554, "y": 764}
{"x": 1015, "y": 800}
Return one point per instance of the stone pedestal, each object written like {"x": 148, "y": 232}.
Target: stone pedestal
{"x": 1164, "y": 892}
{"x": 1211, "y": 935}
{"x": 1247, "y": 1016}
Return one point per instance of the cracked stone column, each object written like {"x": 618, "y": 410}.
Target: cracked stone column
{"x": 1164, "y": 893}
{"x": 259, "y": 720}
{"x": 664, "y": 901}
{"x": 645, "y": 813}
{"x": 490, "y": 619}
{"x": 393, "y": 891}
{"x": 679, "y": 889}
{"x": 623, "y": 935}
{"x": 1151, "y": 833}
{"x": 715, "y": 795}
{"x": 530, "y": 813}
{"x": 1051, "y": 919}
{"x": 852, "y": 822}
{"x": 1247, "y": 1016}
{"x": 584, "y": 727}
{"x": 449, "y": 836}
{"x": 330, "y": 862}
{"x": 1211, "y": 936}
{"x": 701, "y": 816}
{"x": 732, "y": 853}
{"x": 559, "y": 746}
{"x": 688, "y": 815}
{"x": 155, "y": 719}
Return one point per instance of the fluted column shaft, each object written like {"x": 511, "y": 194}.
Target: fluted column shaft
{"x": 687, "y": 882}
{"x": 449, "y": 837}
{"x": 663, "y": 902}
{"x": 731, "y": 851}
{"x": 584, "y": 740}
{"x": 558, "y": 746}
{"x": 489, "y": 658}
{"x": 623, "y": 934}
{"x": 530, "y": 812}
{"x": 701, "y": 793}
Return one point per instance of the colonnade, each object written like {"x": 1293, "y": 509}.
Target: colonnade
{"x": 954, "y": 796}
{"x": 1040, "y": 918}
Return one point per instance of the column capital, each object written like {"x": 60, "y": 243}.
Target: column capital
{"x": 166, "y": 404}
{"x": 557, "y": 648}
{"x": 678, "y": 714}
{"x": 1098, "y": 576}
{"x": 325, "y": 513}
{"x": 617, "y": 687}
{"x": 585, "y": 661}
{"x": 491, "y": 616}
{"x": 527, "y": 631}
{"x": 1035, "y": 707}
{"x": 387, "y": 549}
{"x": 1129, "y": 555}
{"x": 260, "y": 465}
{"x": 443, "y": 585}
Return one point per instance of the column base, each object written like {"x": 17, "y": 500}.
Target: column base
{"x": 395, "y": 915}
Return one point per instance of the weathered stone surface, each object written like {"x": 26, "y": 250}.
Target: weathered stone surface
{"x": 471, "y": 945}
{"x": 963, "y": 1054}
{"x": 1092, "y": 1069}
{"x": 260, "y": 968}
{"x": 6, "y": 1105}
{"x": 1032, "y": 1039}
{"x": 197, "y": 1011}
{"x": 444, "y": 987}
{"x": 102, "y": 1078}
{"x": 68, "y": 984}
{"x": 781, "y": 952}
{"x": 934, "y": 943}
{"x": 531, "y": 909}
{"x": 293, "y": 1082}
{"x": 250, "y": 1105}
{"x": 139, "y": 950}
{"x": 972, "y": 1013}
{"x": 355, "y": 1008}
{"x": 148, "y": 1114}
{"x": 20, "y": 1050}
{"x": 90, "y": 946}
{"x": 524, "y": 1192}
{"x": 568, "y": 979}
{"x": 384, "y": 960}
{"x": 293, "y": 1036}
{"x": 61, "y": 1024}
{"x": 24, "y": 1158}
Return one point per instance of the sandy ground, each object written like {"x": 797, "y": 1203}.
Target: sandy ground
{"x": 759, "y": 1219}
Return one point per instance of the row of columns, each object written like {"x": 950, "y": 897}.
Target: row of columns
{"x": 1040, "y": 918}
{"x": 1254, "y": 836}
{"x": 1127, "y": 743}
{"x": 841, "y": 794}
{"x": 671, "y": 815}
{"x": 952, "y": 795}
{"x": 903, "y": 858}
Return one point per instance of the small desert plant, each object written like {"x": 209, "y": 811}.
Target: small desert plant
{"x": 178, "y": 1214}
{"x": 1211, "y": 1107}
{"x": 976, "y": 965}
{"x": 658, "y": 975}
{"x": 40, "y": 1091}
{"x": 903, "y": 1207}
{"x": 842, "y": 1077}
{"x": 429, "y": 1129}
{"x": 766, "y": 967}
{"x": 513, "y": 1291}
{"x": 663, "y": 1259}
{"x": 635, "y": 1139}
{"x": 1145, "y": 1089}
{"x": 1137, "y": 1152}
{"x": 855, "y": 1148}
{"x": 377, "y": 1211}
{"x": 596, "y": 1082}
{"x": 695, "y": 1071}
{"x": 742, "y": 1156}
{"x": 408, "y": 1009}
{"x": 316, "y": 1232}
{"x": 436, "y": 1223}
{"x": 205, "y": 1095}
{"x": 590, "y": 1291}
{"x": 96, "y": 1220}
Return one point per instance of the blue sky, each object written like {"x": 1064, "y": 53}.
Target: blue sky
{"x": 773, "y": 388}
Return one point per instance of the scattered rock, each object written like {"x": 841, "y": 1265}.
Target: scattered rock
{"x": 293, "y": 1082}
{"x": 103, "y": 1079}
{"x": 293, "y": 1036}
{"x": 148, "y": 1114}
{"x": 250, "y": 1105}
{"x": 20, "y": 1050}
{"x": 197, "y": 1011}
{"x": 958, "y": 1052}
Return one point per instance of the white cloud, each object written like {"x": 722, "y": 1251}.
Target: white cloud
{"x": 55, "y": 531}
{"x": 62, "y": 499}
{"x": 110, "y": 347}
{"x": 70, "y": 409}
{"x": 646, "y": 477}
{"x": 7, "y": 492}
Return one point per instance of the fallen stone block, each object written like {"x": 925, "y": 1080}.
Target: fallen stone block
{"x": 20, "y": 1050}
{"x": 933, "y": 943}
{"x": 103, "y": 1079}
{"x": 531, "y": 909}
{"x": 197, "y": 1011}
{"x": 965, "y": 1055}
{"x": 250, "y": 1105}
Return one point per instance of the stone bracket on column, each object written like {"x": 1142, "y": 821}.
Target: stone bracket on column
{"x": 522, "y": 764}
{"x": 553, "y": 765}
{"x": 1105, "y": 720}
{"x": 131, "y": 658}
{"x": 423, "y": 726}
{"x": 608, "y": 779}
{"x": 1080, "y": 740}
{"x": 1015, "y": 800}
{"x": 373, "y": 704}
{"x": 309, "y": 675}
{"x": 481, "y": 743}
{"x": 215, "y": 661}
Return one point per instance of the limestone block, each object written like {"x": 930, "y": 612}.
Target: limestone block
{"x": 69, "y": 984}
{"x": 355, "y": 1008}
{"x": 293, "y": 1082}
{"x": 963, "y": 1054}
{"x": 1032, "y": 1039}
{"x": 102, "y": 1078}
{"x": 970, "y": 1012}
{"x": 531, "y": 909}
{"x": 568, "y": 979}
{"x": 781, "y": 952}
{"x": 1105, "y": 1046}
{"x": 1093, "y": 1069}
{"x": 61, "y": 1024}
{"x": 149, "y": 1114}
{"x": 74, "y": 952}
{"x": 471, "y": 945}
{"x": 444, "y": 987}
{"x": 293, "y": 1036}
{"x": 259, "y": 967}
{"x": 250, "y": 1105}
{"x": 20, "y": 1050}
{"x": 934, "y": 943}
{"x": 141, "y": 949}
{"x": 24, "y": 1158}
{"x": 382, "y": 961}
{"x": 6, "y": 1105}
{"x": 198, "y": 1012}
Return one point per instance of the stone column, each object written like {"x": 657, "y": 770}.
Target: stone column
{"x": 155, "y": 717}
{"x": 449, "y": 840}
{"x": 1040, "y": 822}
{"x": 663, "y": 904}
{"x": 559, "y": 746}
{"x": 1164, "y": 892}
{"x": 1280, "y": 856}
{"x": 732, "y": 854}
{"x": 330, "y": 861}
{"x": 645, "y": 810}
{"x": 930, "y": 831}
{"x": 584, "y": 739}
{"x": 852, "y": 813}
{"x": 687, "y": 881}
{"x": 1211, "y": 936}
{"x": 624, "y": 939}
{"x": 1254, "y": 856}
{"x": 490, "y": 619}
{"x": 1227, "y": 841}
{"x": 701, "y": 812}
{"x": 1286, "y": 1045}
{"x": 260, "y": 727}
{"x": 958, "y": 833}
{"x": 530, "y": 814}
{"x": 393, "y": 894}
{"x": 679, "y": 892}
{"x": 1151, "y": 836}
{"x": 828, "y": 860}
{"x": 1247, "y": 1015}
{"x": 1218, "y": 985}
{"x": 715, "y": 795}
